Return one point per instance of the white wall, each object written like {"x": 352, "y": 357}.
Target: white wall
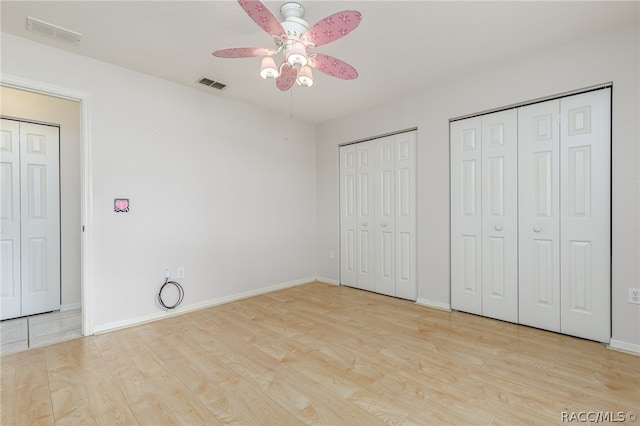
{"x": 223, "y": 189}
{"x": 611, "y": 57}
{"x": 66, "y": 113}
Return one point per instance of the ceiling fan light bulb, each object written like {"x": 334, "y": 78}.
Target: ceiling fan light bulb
{"x": 297, "y": 54}
{"x": 305, "y": 78}
{"x": 268, "y": 69}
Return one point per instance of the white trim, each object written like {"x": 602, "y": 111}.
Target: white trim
{"x": 433, "y": 304}
{"x": 197, "y": 306}
{"x": 327, "y": 281}
{"x": 70, "y": 307}
{"x": 622, "y": 346}
{"x": 86, "y": 195}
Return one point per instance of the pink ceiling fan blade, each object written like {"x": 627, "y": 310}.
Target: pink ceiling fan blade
{"x": 287, "y": 77}
{"x": 243, "y": 52}
{"x": 262, "y": 16}
{"x": 333, "y": 27}
{"x": 333, "y": 67}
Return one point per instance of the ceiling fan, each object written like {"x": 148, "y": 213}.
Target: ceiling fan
{"x": 294, "y": 37}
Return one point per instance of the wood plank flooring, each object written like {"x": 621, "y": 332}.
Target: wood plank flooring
{"x": 318, "y": 354}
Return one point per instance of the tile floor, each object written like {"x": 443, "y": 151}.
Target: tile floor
{"x": 38, "y": 330}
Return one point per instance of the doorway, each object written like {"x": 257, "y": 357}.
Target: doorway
{"x": 43, "y": 103}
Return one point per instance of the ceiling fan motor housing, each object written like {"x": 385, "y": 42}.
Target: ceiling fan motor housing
{"x": 293, "y": 24}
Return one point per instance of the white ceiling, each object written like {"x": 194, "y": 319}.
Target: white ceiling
{"x": 400, "y": 46}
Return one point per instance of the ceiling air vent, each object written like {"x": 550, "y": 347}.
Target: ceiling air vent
{"x": 53, "y": 31}
{"x": 212, "y": 83}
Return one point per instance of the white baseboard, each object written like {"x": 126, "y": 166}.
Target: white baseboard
{"x": 104, "y": 328}
{"x": 432, "y": 304}
{"x": 70, "y": 307}
{"x": 327, "y": 280}
{"x": 622, "y": 346}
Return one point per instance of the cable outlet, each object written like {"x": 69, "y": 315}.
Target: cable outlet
{"x": 180, "y": 272}
{"x": 634, "y": 295}
{"x": 167, "y": 273}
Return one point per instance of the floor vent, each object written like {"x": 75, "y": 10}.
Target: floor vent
{"x": 212, "y": 83}
{"x": 53, "y": 31}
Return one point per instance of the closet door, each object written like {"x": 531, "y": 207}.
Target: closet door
{"x": 585, "y": 215}
{"x": 348, "y": 227}
{"x": 365, "y": 219}
{"x": 406, "y": 216}
{"x": 40, "y": 218}
{"x": 539, "y": 215}
{"x": 30, "y": 196}
{"x": 500, "y": 215}
{"x": 10, "y": 292}
{"x": 384, "y": 220}
{"x": 466, "y": 215}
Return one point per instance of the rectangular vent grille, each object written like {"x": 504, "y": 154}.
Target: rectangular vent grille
{"x": 212, "y": 83}
{"x": 53, "y": 31}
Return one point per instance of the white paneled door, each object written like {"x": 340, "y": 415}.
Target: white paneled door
{"x": 585, "y": 215}
{"x": 348, "y": 227}
{"x": 531, "y": 215}
{"x": 378, "y": 215}
{"x": 539, "y": 210}
{"x": 466, "y": 215}
{"x": 406, "y": 218}
{"x": 500, "y": 215}
{"x": 10, "y": 289}
{"x": 385, "y": 206}
{"x": 484, "y": 215}
{"x": 365, "y": 223}
{"x": 30, "y": 232}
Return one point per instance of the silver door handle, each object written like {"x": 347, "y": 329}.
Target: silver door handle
{"x": 498, "y": 228}
{"x": 537, "y": 229}
{"x": 384, "y": 225}
{"x": 364, "y": 223}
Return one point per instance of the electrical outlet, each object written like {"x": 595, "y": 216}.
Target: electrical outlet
{"x": 167, "y": 273}
{"x": 331, "y": 255}
{"x": 180, "y": 272}
{"x": 634, "y": 295}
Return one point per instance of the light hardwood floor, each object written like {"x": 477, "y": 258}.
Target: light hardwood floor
{"x": 318, "y": 354}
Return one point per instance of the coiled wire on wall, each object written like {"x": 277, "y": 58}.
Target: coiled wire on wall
{"x": 180, "y": 294}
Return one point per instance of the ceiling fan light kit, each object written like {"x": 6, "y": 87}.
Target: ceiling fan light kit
{"x": 293, "y": 38}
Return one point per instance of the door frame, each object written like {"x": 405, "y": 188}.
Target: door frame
{"x": 86, "y": 193}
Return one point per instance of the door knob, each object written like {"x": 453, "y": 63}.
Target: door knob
{"x": 498, "y": 228}
{"x": 537, "y": 229}
{"x": 364, "y": 223}
{"x": 384, "y": 225}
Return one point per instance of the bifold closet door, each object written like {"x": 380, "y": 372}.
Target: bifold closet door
{"x": 30, "y": 233}
{"x": 10, "y": 275}
{"x": 466, "y": 215}
{"x": 365, "y": 251}
{"x": 565, "y": 234}
{"x": 585, "y": 215}
{"x": 484, "y": 234}
{"x": 378, "y": 215}
{"x": 500, "y": 215}
{"x": 539, "y": 214}
{"x": 385, "y": 262}
{"x": 348, "y": 227}
{"x": 406, "y": 218}
{"x": 395, "y": 215}
{"x": 356, "y": 216}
